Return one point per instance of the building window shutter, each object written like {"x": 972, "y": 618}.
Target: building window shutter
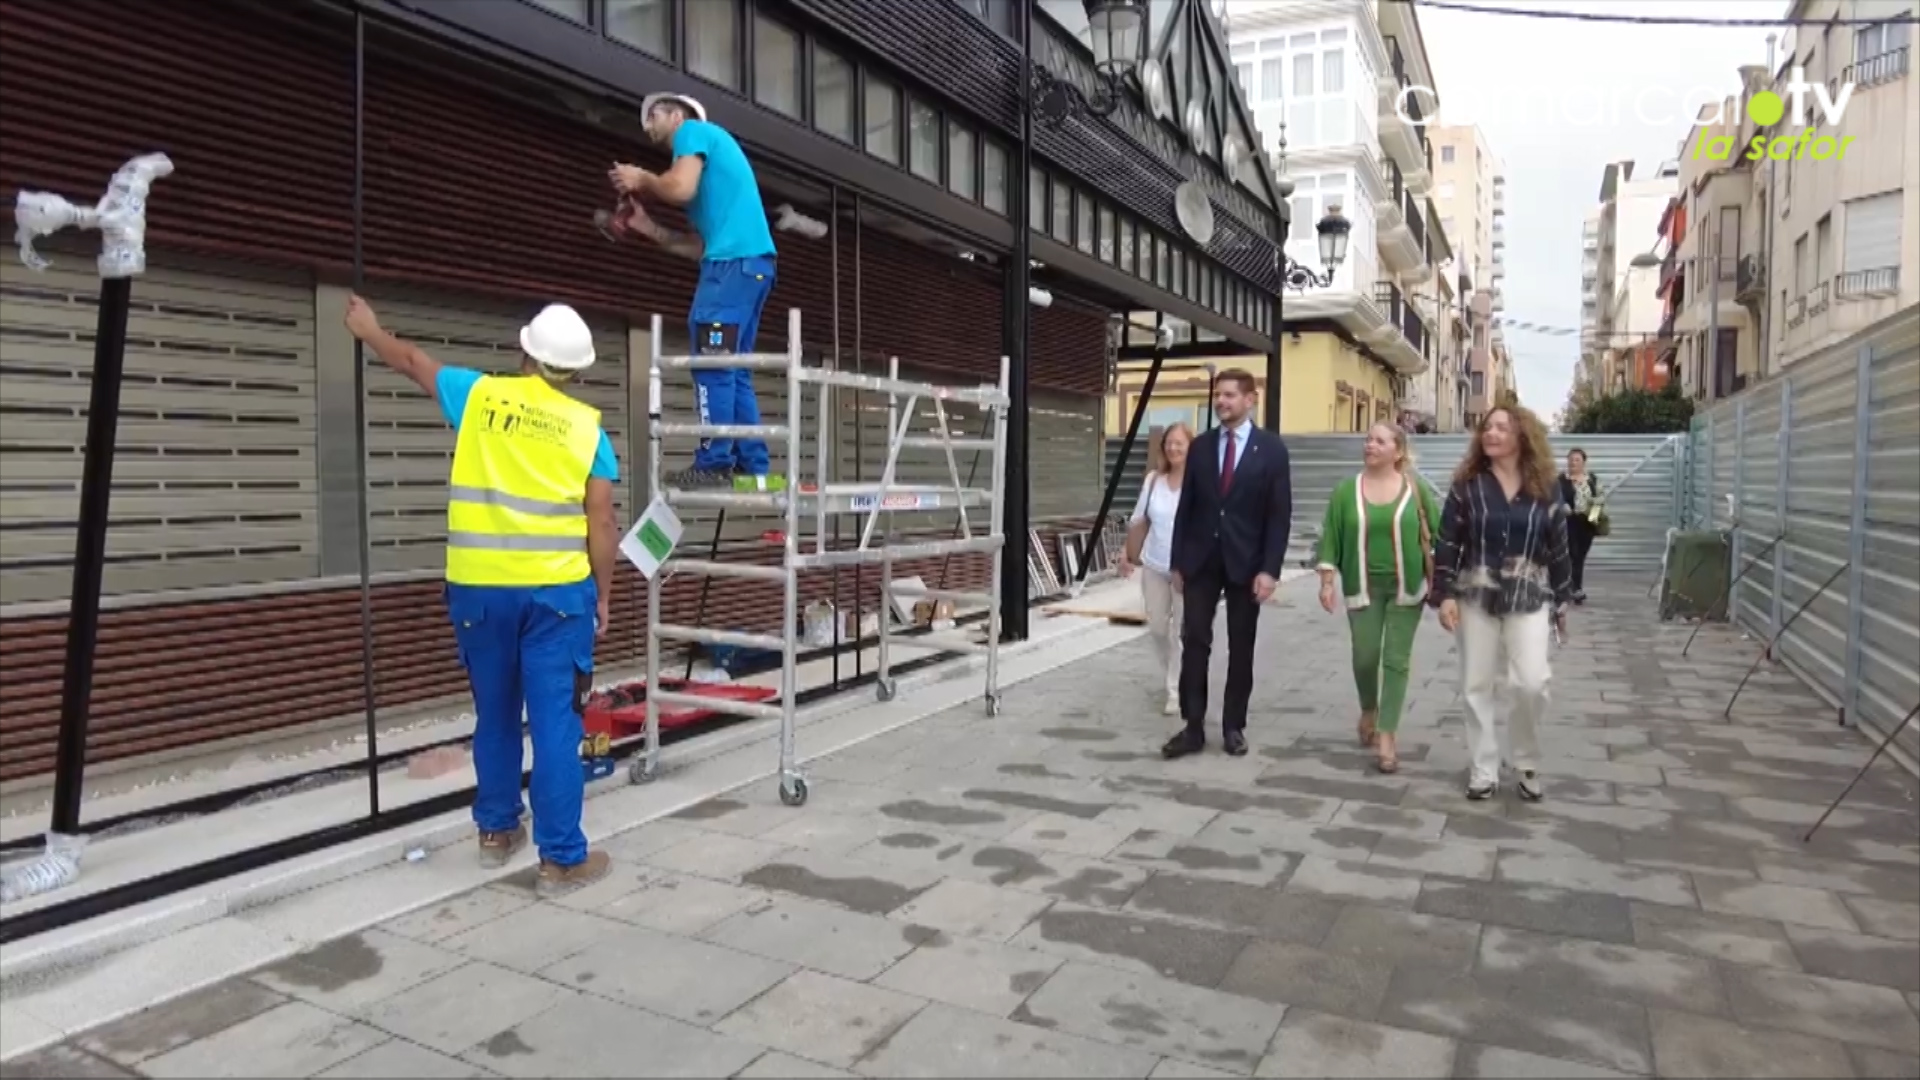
{"x": 1872, "y": 233}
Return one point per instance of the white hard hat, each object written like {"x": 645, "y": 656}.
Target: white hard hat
{"x": 692, "y": 105}
{"x": 558, "y": 338}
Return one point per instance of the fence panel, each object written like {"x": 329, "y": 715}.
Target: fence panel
{"x": 1641, "y": 504}
{"x": 1699, "y": 472}
{"x": 1831, "y": 457}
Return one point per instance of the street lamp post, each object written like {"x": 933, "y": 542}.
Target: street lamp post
{"x": 1333, "y": 231}
{"x": 1116, "y": 31}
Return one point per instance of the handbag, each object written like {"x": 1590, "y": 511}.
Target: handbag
{"x": 1137, "y": 530}
{"x": 1597, "y": 513}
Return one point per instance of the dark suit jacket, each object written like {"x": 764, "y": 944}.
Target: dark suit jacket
{"x": 1248, "y": 526}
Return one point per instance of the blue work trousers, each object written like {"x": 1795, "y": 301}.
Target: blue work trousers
{"x": 528, "y": 650}
{"x": 726, "y": 316}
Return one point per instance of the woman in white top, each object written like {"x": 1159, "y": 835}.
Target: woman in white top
{"x": 1150, "y": 548}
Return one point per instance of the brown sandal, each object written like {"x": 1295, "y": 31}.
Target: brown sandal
{"x": 1369, "y": 735}
{"x": 1389, "y": 760}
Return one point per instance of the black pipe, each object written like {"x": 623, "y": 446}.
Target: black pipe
{"x": 1275, "y": 365}
{"x": 90, "y": 552}
{"x": 859, "y": 440}
{"x": 829, "y": 469}
{"x": 360, "y": 411}
{"x": 1126, "y": 454}
{"x": 1015, "y": 329}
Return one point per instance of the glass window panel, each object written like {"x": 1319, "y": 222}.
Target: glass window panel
{"x": 1037, "y": 200}
{"x": 1083, "y": 220}
{"x": 1333, "y": 71}
{"x": 1061, "y": 222}
{"x": 833, "y": 94}
{"x": 924, "y": 156}
{"x": 1126, "y": 245}
{"x": 1162, "y": 263}
{"x": 1179, "y": 272}
{"x": 1303, "y": 75}
{"x": 644, "y": 24}
{"x": 572, "y": 9}
{"x": 961, "y": 161}
{"x": 993, "y": 176}
{"x": 1270, "y": 71}
{"x": 776, "y": 66}
{"x": 713, "y": 41}
{"x": 1109, "y": 243}
{"x": 883, "y": 119}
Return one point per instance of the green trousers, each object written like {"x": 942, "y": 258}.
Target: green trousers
{"x": 1382, "y": 654}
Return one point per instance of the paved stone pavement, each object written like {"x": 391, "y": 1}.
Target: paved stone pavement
{"x": 1040, "y": 895}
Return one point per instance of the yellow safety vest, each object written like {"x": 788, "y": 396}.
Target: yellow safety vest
{"x": 515, "y": 503}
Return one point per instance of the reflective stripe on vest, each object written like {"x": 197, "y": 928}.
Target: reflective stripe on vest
{"x": 516, "y": 511}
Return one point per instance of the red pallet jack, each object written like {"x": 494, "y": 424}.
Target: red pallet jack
{"x": 621, "y": 711}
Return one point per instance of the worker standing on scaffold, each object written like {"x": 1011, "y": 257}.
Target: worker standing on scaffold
{"x": 531, "y": 538}
{"x": 712, "y": 179}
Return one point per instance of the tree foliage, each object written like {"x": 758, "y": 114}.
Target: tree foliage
{"x": 1630, "y": 412}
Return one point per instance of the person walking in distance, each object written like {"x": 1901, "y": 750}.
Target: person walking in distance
{"x": 1374, "y": 547}
{"x": 1229, "y": 538}
{"x": 531, "y": 537}
{"x": 1150, "y": 549}
{"x": 1580, "y": 491}
{"x": 733, "y": 244}
{"x": 1503, "y": 580}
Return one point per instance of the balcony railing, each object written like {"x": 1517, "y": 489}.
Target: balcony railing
{"x": 1404, "y": 315}
{"x": 1395, "y": 181}
{"x": 1416, "y": 221}
{"x": 1400, "y": 76}
{"x": 1857, "y": 283}
{"x": 1796, "y": 312}
{"x": 1669, "y": 266}
{"x": 1875, "y": 70}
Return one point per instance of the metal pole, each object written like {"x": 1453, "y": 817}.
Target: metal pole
{"x": 1780, "y": 500}
{"x": 1018, "y": 508}
{"x": 1857, "y": 527}
{"x": 1126, "y": 454}
{"x": 360, "y": 412}
{"x": 90, "y": 552}
{"x": 1857, "y": 777}
{"x": 822, "y": 470}
{"x": 859, "y": 452}
{"x": 1767, "y": 650}
{"x": 1275, "y": 367}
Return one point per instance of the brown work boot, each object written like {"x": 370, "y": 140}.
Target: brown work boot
{"x": 561, "y": 880}
{"x": 498, "y": 848}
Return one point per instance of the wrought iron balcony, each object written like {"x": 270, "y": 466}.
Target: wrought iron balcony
{"x": 1817, "y": 299}
{"x": 1416, "y": 221}
{"x": 1750, "y": 280}
{"x": 1402, "y": 314}
{"x": 1874, "y": 70}
{"x": 1395, "y": 181}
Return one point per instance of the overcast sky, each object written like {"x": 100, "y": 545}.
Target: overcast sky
{"x": 1558, "y": 100}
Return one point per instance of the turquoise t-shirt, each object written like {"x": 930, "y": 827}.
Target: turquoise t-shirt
{"x": 726, "y": 210}
{"x": 455, "y": 384}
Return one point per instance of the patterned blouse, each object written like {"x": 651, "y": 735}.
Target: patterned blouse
{"x": 1510, "y": 557}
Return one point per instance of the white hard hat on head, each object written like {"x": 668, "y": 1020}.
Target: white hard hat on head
{"x": 558, "y": 338}
{"x": 668, "y": 97}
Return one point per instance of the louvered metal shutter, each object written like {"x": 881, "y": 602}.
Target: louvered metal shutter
{"x": 215, "y": 480}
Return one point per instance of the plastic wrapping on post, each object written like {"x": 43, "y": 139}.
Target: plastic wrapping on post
{"x": 120, "y": 215}
{"x": 54, "y": 869}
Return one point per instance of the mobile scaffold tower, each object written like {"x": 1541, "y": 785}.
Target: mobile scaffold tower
{"x": 818, "y": 500}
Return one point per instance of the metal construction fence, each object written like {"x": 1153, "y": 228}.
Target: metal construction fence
{"x": 1815, "y": 474}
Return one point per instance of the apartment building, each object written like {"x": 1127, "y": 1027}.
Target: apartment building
{"x": 1844, "y": 232}
{"x": 1328, "y": 84}
{"x": 1626, "y": 228}
{"x": 1589, "y": 292}
{"x": 1470, "y": 193}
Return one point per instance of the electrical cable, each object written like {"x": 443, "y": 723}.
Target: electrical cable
{"x": 1649, "y": 20}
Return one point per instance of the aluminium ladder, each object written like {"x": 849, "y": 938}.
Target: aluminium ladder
{"x": 818, "y": 500}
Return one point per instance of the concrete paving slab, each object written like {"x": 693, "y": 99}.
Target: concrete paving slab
{"x": 716, "y": 856}
{"x": 842, "y": 880}
{"x": 593, "y": 1037}
{"x": 1404, "y": 938}
{"x": 1354, "y": 880}
{"x": 943, "y": 1041}
{"x": 1299, "y": 975}
{"x": 1594, "y": 876}
{"x": 1658, "y": 980}
{"x": 1529, "y": 907}
{"x": 64, "y": 1061}
{"x": 1196, "y": 955}
{"x": 1886, "y": 918}
{"x": 1728, "y": 938}
{"x": 969, "y": 909}
{"x": 1451, "y": 859}
{"x": 833, "y": 1021}
{"x": 465, "y": 1006}
{"x": 533, "y": 938}
{"x": 1476, "y": 1062}
{"x": 1853, "y": 1012}
{"x": 818, "y": 936}
{"x": 398, "y": 1059}
{"x": 1874, "y": 1063}
{"x": 1324, "y": 841}
{"x": 1158, "y": 1015}
{"x": 173, "y": 1024}
{"x": 457, "y": 914}
{"x": 1312, "y": 1045}
{"x": 775, "y": 1065}
{"x": 1221, "y": 855}
{"x": 662, "y": 900}
{"x": 1786, "y": 903}
{"x": 294, "y": 1039}
{"x": 1069, "y": 835}
{"x": 1701, "y": 1046}
{"x": 360, "y": 969}
{"x": 1610, "y": 1034}
{"x": 1857, "y": 957}
{"x": 985, "y": 976}
{"x": 667, "y": 974}
{"x": 1176, "y": 1069}
{"x": 1233, "y": 906}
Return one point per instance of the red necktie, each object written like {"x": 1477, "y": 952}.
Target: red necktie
{"x": 1226, "y": 466}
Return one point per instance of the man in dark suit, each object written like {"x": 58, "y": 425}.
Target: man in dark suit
{"x": 1229, "y": 536}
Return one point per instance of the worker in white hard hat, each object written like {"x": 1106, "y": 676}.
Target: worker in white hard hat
{"x": 531, "y": 538}
{"x": 712, "y": 180}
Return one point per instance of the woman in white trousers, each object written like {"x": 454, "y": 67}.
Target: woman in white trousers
{"x": 1503, "y": 580}
{"x": 1150, "y": 549}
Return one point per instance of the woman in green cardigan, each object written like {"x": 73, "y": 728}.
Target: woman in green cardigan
{"x": 1377, "y": 540}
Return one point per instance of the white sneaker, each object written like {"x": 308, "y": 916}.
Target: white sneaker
{"x": 1173, "y": 703}
{"x": 1529, "y": 786}
{"x": 1480, "y": 787}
